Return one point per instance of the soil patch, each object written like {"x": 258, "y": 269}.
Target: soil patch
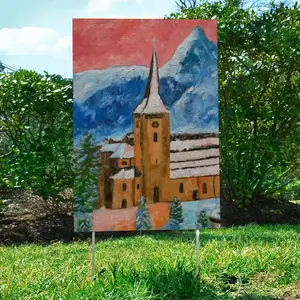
{"x": 28, "y": 218}
{"x": 265, "y": 211}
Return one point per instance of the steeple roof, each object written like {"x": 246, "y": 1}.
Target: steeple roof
{"x": 152, "y": 102}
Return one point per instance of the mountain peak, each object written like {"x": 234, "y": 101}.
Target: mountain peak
{"x": 198, "y": 32}
{"x": 196, "y": 47}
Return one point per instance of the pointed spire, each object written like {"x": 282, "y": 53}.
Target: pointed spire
{"x": 154, "y": 80}
{"x": 152, "y": 102}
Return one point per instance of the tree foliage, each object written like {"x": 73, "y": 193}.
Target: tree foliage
{"x": 202, "y": 220}
{"x": 36, "y": 132}
{"x": 143, "y": 221}
{"x": 259, "y": 96}
{"x": 87, "y": 169}
{"x": 176, "y": 214}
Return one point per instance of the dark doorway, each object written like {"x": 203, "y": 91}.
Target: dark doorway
{"x": 195, "y": 195}
{"x": 124, "y": 203}
{"x": 204, "y": 187}
{"x": 156, "y": 194}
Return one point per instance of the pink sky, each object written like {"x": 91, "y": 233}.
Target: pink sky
{"x": 102, "y": 43}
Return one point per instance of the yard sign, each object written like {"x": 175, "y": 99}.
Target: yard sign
{"x": 146, "y": 144}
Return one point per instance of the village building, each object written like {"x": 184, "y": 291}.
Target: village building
{"x": 153, "y": 163}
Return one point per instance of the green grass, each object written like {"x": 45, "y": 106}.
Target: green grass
{"x": 251, "y": 262}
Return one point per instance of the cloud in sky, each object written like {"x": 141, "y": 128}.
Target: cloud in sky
{"x": 104, "y": 6}
{"x": 39, "y": 36}
{"x": 96, "y": 6}
{"x": 33, "y": 40}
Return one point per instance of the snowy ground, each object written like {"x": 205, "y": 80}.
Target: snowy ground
{"x": 192, "y": 209}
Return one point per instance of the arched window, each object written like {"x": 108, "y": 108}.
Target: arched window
{"x": 181, "y": 189}
{"x": 156, "y": 194}
{"x": 155, "y": 137}
{"x": 138, "y": 186}
{"x": 124, "y": 186}
{"x": 124, "y": 203}
{"x": 137, "y": 124}
{"x": 204, "y": 188}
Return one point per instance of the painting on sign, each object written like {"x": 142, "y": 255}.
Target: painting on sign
{"x": 146, "y": 144}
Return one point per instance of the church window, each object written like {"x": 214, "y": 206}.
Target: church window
{"x": 124, "y": 203}
{"x": 124, "y": 163}
{"x": 155, "y": 137}
{"x": 137, "y": 124}
{"x": 124, "y": 186}
{"x": 155, "y": 124}
{"x": 138, "y": 186}
{"x": 181, "y": 189}
{"x": 204, "y": 188}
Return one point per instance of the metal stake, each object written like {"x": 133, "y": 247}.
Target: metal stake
{"x": 197, "y": 251}
{"x": 93, "y": 254}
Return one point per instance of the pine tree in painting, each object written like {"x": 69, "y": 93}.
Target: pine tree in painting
{"x": 142, "y": 216}
{"x": 176, "y": 214}
{"x": 202, "y": 220}
{"x": 83, "y": 225}
{"x": 86, "y": 175}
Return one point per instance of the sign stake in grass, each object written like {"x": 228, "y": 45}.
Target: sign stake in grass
{"x": 197, "y": 251}
{"x": 93, "y": 255}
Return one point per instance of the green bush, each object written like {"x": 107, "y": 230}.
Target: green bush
{"x": 36, "y": 132}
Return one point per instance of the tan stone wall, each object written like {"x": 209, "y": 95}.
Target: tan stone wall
{"x": 156, "y": 157}
{"x": 208, "y": 180}
{"x": 119, "y": 193}
{"x": 101, "y": 195}
{"x": 189, "y": 185}
{"x": 138, "y": 190}
{"x": 137, "y": 143}
{"x": 217, "y": 186}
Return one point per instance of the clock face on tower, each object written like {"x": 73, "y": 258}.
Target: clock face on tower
{"x": 155, "y": 124}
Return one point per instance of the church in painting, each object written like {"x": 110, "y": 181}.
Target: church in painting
{"x": 153, "y": 163}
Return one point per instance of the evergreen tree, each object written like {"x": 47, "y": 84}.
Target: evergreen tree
{"x": 176, "y": 214}
{"x": 202, "y": 220}
{"x": 142, "y": 216}
{"x": 83, "y": 225}
{"x": 86, "y": 172}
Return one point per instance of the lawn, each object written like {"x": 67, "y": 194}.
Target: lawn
{"x": 251, "y": 262}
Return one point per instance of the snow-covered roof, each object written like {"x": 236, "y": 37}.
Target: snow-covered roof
{"x": 194, "y": 144}
{"x": 123, "y": 151}
{"x": 191, "y": 164}
{"x": 216, "y": 214}
{"x": 124, "y": 174}
{"x": 110, "y": 147}
{"x": 154, "y": 105}
{"x": 141, "y": 106}
{"x": 195, "y": 172}
{"x": 194, "y": 155}
{"x": 130, "y": 135}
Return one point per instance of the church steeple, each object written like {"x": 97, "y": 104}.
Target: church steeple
{"x": 152, "y": 102}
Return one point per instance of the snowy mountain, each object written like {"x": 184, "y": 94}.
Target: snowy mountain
{"x": 105, "y": 99}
